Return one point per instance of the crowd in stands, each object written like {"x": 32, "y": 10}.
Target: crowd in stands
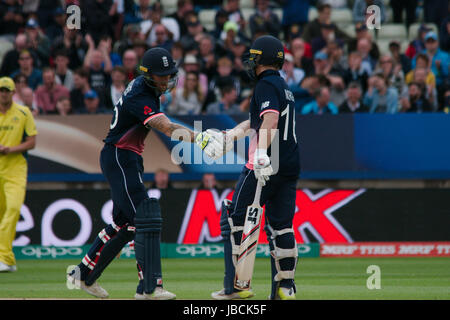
{"x": 329, "y": 66}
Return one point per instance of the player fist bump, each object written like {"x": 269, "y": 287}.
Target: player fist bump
{"x": 208, "y": 143}
{"x": 225, "y": 142}
{"x": 261, "y": 165}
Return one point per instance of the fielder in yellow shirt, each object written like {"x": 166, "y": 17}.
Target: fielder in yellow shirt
{"x": 17, "y": 135}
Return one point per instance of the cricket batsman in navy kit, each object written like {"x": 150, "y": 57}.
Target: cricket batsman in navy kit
{"x": 273, "y": 159}
{"x": 135, "y": 216}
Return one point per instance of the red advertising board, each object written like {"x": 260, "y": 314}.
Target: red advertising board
{"x": 201, "y": 219}
{"x": 386, "y": 249}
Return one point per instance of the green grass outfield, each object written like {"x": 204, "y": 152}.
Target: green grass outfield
{"x": 316, "y": 278}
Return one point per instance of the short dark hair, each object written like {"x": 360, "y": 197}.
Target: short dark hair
{"x": 323, "y": 6}
{"x": 82, "y": 73}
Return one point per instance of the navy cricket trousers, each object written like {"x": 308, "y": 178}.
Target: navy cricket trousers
{"x": 123, "y": 170}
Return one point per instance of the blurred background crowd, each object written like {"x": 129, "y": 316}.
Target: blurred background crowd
{"x": 335, "y": 62}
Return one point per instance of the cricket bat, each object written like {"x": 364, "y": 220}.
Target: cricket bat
{"x": 249, "y": 242}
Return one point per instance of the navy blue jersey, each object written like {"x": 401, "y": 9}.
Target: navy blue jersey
{"x": 135, "y": 108}
{"x": 271, "y": 94}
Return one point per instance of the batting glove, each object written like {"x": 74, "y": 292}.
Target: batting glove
{"x": 261, "y": 166}
{"x": 208, "y": 144}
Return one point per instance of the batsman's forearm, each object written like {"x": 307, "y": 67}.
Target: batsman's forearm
{"x": 267, "y": 131}
{"x": 172, "y": 130}
{"x": 240, "y": 131}
{"x": 187, "y": 134}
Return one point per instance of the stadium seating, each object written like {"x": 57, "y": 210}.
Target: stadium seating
{"x": 5, "y": 46}
{"x": 412, "y": 32}
{"x": 392, "y": 31}
{"x": 206, "y": 17}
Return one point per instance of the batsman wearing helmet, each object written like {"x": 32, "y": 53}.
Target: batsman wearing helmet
{"x": 135, "y": 216}
{"x": 274, "y": 160}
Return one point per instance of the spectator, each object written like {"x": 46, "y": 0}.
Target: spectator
{"x": 81, "y": 87}
{"x": 131, "y": 34}
{"x": 327, "y": 34}
{"x": 357, "y": 70}
{"x": 363, "y": 33}
{"x": 75, "y": 45}
{"x": 177, "y": 53}
{"x": 264, "y": 19}
{"x": 11, "y": 18}
{"x": 44, "y": 10}
{"x": 162, "y": 38}
{"x": 399, "y": 58}
{"x": 207, "y": 55}
{"x": 56, "y": 29}
{"x": 295, "y": 16}
{"x": 444, "y": 34}
{"x": 63, "y": 106}
{"x": 409, "y": 6}
{"x": 416, "y": 101}
{"x": 140, "y": 47}
{"x": 337, "y": 59}
{"x": 208, "y": 181}
{"x": 195, "y": 31}
{"x": 418, "y": 44}
{"x": 321, "y": 64}
{"x": 360, "y": 10}
{"x": 380, "y": 98}
{"x": 435, "y": 11}
{"x": 392, "y": 72}
{"x": 301, "y": 61}
{"x": 38, "y": 42}
{"x": 233, "y": 12}
{"x": 429, "y": 90}
{"x": 11, "y": 57}
{"x": 191, "y": 64}
{"x": 140, "y": 11}
{"x": 305, "y": 93}
{"x": 33, "y": 75}
{"x": 49, "y": 92}
{"x": 105, "y": 45}
{"x": 188, "y": 99}
{"x": 130, "y": 61}
{"x": 422, "y": 61}
{"x": 99, "y": 67}
{"x": 63, "y": 74}
{"x": 162, "y": 180}
{"x": 28, "y": 100}
{"x": 92, "y": 104}
{"x": 98, "y": 18}
{"x": 313, "y": 29}
{"x": 225, "y": 76}
{"x": 353, "y": 103}
{"x": 183, "y": 7}
{"x": 148, "y": 26}
{"x": 20, "y": 82}
{"x": 364, "y": 48}
{"x": 321, "y": 104}
{"x": 117, "y": 87}
{"x": 219, "y": 21}
{"x": 439, "y": 59}
{"x": 227, "y": 103}
{"x": 290, "y": 73}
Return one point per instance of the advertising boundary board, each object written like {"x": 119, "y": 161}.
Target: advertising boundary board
{"x": 215, "y": 250}
{"x": 168, "y": 250}
{"x": 74, "y": 217}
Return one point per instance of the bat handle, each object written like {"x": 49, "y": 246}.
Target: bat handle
{"x": 259, "y": 186}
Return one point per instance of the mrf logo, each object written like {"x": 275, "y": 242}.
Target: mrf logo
{"x": 313, "y": 216}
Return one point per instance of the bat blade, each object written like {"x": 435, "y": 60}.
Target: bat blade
{"x": 247, "y": 249}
